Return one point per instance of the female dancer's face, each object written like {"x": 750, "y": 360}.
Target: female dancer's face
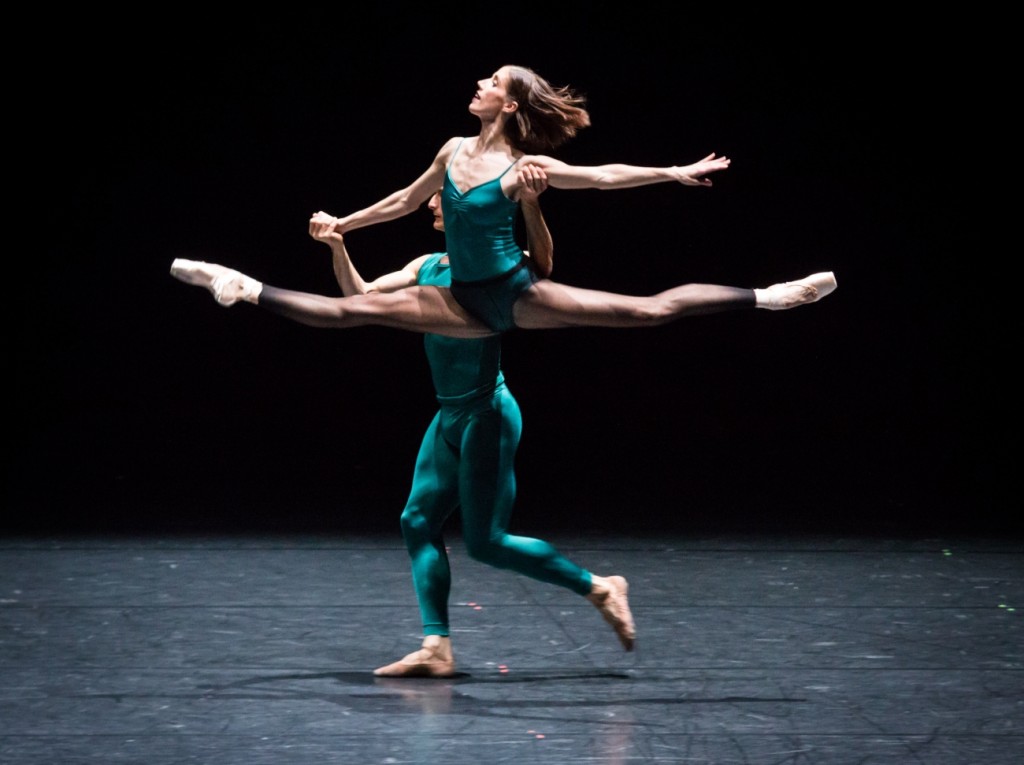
{"x": 491, "y": 95}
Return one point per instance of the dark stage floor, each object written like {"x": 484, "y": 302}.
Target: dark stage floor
{"x": 750, "y": 650}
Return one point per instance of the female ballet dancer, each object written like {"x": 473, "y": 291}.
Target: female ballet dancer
{"x": 519, "y": 112}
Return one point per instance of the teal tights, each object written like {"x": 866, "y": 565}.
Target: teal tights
{"x": 466, "y": 461}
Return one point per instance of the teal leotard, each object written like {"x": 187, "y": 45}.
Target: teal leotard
{"x": 489, "y": 270}
{"x": 465, "y": 461}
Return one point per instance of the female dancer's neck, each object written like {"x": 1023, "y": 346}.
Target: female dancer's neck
{"x": 492, "y": 136}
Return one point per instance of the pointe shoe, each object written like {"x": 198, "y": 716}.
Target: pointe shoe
{"x": 810, "y": 289}
{"x": 227, "y": 285}
{"x": 614, "y": 607}
{"x": 421, "y": 663}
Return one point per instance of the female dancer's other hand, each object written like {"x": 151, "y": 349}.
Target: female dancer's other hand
{"x": 324, "y": 228}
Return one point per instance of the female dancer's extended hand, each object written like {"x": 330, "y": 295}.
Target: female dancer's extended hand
{"x": 696, "y": 174}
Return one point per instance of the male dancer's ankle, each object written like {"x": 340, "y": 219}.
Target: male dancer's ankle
{"x": 609, "y": 595}
{"x": 434, "y": 659}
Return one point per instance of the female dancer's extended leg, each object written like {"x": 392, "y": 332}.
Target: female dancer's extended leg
{"x": 416, "y": 309}
{"x": 550, "y": 305}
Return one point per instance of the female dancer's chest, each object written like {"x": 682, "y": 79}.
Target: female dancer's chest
{"x": 468, "y": 171}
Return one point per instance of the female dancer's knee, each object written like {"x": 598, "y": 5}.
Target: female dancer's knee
{"x": 652, "y": 311}
{"x": 692, "y": 300}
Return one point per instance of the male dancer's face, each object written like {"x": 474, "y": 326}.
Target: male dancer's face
{"x": 434, "y": 205}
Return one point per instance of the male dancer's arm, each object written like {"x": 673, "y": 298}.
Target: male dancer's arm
{"x": 540, "y": 246}
{"x": 352, "y": 283}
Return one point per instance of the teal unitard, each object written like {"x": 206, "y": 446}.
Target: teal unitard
{"x": 466, "y": 462}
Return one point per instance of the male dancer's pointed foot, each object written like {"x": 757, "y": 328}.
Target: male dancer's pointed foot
{"x": 434, "y": 659}
{"x": 610, "y": 595}
{"x": 225, "y": 284}
{"x": 810, "y": 289}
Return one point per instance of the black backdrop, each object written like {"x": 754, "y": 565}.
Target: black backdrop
{"x": 138, "y": 404}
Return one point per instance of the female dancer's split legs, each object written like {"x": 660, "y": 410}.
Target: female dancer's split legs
{"x": 545, "y": 305}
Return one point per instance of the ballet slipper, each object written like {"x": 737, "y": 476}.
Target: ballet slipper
{"x": 227, "y": 285}
{"x": 612, "y": 601}
{"x": 810, "y": 289}
{"x": 434, "y": 659}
